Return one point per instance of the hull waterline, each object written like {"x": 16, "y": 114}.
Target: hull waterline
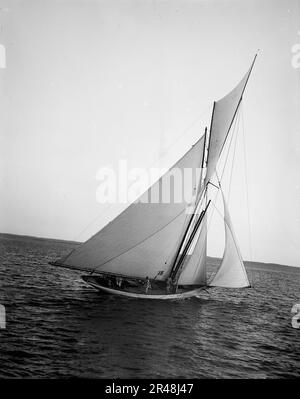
{"x": 149, "y": 295}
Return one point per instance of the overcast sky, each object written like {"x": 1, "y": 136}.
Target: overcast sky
{"x": 88, "y": 83}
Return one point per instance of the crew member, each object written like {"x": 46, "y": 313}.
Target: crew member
{"x": 147, "y": 285}
{"x": 169, "y": 284}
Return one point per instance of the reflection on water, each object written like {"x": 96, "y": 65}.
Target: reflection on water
{"x": 57, "y": 326}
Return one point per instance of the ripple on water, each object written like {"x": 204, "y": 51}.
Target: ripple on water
{"x": 59, "y": 327}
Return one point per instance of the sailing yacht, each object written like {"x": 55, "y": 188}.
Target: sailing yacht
{"x": 158, "y": 249}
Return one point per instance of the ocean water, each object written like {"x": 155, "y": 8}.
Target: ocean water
{"x": 57, "y": 326}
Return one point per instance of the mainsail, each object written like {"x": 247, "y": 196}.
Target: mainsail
{"x": 143, "y": 239}
{"x": 232, "y": 273}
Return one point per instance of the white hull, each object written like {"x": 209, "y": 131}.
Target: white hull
{"x": 182, "y": 295}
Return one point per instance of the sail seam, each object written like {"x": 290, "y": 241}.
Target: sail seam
{"x": 140, "y": 242}
{"x": 134, "y": 202}
{"x": 187, "y": 129}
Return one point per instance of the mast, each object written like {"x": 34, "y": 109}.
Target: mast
{"x": 210, "y": 130}
{"x": 204, "y": 160}
{"x": 178, "y": 262}
{"x": 223, "y": 116}
{"x": 216, "y": 146}
{"x": 204, "y": 147}
{"x": 178, "y": 267}
{"x": 175, "y": 262}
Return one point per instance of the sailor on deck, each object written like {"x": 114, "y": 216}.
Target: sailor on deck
{"x": 147, "y": 285}
{"x": 119, "y": 281}
{"x": 169, "y": 284}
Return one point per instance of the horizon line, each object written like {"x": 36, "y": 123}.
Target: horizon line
{"x": 81, "y": 242}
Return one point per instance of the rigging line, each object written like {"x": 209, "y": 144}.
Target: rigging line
{"x": 215, "y": 198}
{"x": 212, "y": 212}
{"x": 140, "y": 242}
{"x": 227, "y": 155}
{"x": 143, "y": 193}
{"x": 93, "y": 221}
{"x": 213, "y": 274}
{"x": 151, "y": 165}
{"x": 198, "y": 199}
{"x": 192, "y": 223}
{"x": 233, "y": 237}
{"x": 220, "y": 180}
{"x": 218, "y": 210}
{"x": 213, "y": 185}
{"x": 225, "y": 163}
{"x": 230, "y": 141}
{"x": 246, "y": 180}
{"x": 233, "y": 158}
{"x": 229, "y": 227}
{"x": 182, "y": 134}
{"x": 177, "y": 266}
{"x": 240, "y": 100}
{"x": 210, "y": 277}
{"x": 203, "y": 248}
{"x": 234, "y": 122}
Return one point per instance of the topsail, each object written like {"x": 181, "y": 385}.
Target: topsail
{"x": 224, "y": 112}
